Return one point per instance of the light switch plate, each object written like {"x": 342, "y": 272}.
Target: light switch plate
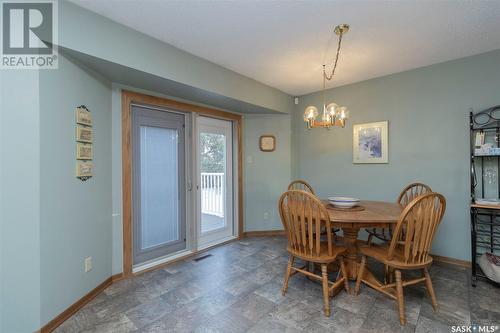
{"x": 88, "y": 264}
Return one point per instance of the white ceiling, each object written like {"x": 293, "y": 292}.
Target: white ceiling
{"x": 283, "y": 43}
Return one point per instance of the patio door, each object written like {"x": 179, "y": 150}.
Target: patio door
{"x": 158, "y": 184}
{"x": 215, "y": 180}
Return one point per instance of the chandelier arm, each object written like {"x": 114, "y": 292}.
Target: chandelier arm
{"x": 329, "y": 77}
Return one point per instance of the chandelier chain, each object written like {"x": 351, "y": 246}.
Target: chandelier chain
{"x": 329, "y": 77}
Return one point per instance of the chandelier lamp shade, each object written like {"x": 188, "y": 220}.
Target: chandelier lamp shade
{"x": 332, "y": 114}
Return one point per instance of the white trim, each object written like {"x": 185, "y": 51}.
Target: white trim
{"x": 162, "y": 260}
{"x": 216, "y": 242}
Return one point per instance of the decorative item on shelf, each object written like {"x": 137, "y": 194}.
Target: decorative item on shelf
{"x": 479, "y": 139}
{"x": 333, "y": 114}
{"x": 487, "y": 149}
{"x": 490, "y": 265}
{"x": 490, "y": 202}
{"x": 267, "y": 143}
{"x": 490, "y": 175}
{"x": 84, "y": 144}
{"x": 370, "y": 143}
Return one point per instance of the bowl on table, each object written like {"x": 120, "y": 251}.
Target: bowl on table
{"x": 343, "y": 202}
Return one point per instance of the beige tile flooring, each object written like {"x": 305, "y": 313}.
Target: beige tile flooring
{"x": 237, "y": 289}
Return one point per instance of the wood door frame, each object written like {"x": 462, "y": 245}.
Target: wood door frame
{"x": 129, "y": 98}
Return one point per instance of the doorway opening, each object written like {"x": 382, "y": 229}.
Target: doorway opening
{"x": 215, "y": 180}
{"x": 177, "y": 197}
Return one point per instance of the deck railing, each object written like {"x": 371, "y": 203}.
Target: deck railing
{"x": 212, "y": 193}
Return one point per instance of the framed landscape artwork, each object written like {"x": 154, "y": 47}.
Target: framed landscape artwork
{"x": 370, "y": 143}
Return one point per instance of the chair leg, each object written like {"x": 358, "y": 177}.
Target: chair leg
{"x": 430, "y": 288}
{"x": 326, "y": 293}
{"x": 287, "y": 274}
{"x": 344, "y": 275}
{"x": 390, "y": 274}
{"x": 401, "y": 302}
{"x": 360, "y": 275}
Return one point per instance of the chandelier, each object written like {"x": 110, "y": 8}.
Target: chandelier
{"x": 333, "y": 114}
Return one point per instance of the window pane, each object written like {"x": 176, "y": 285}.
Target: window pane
{"x": 159, "y": 186}
{"x": 213, "y": 181}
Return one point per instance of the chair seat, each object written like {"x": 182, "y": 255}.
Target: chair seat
{"x": 381, "y": 253}
{"x": 323, "y": 257}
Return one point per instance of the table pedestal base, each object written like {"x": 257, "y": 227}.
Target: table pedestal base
{"x": 351, "y": 256}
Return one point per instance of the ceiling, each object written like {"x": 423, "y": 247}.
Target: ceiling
{"x": 283, "y": 43}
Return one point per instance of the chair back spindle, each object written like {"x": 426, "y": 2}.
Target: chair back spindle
{"x": 416, "y": 228}
{"x": 304, "y": 217}
{"x": 412, "y": 191}
{"x": 301, "y": 185}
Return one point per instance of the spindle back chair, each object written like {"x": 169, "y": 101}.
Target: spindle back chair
{"x": 409, "y": 248}
{"x": 310, "y": 238}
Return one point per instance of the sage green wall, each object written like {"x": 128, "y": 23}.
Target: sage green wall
{"x": 20, "y": 201}
{"x": 75, "y": 215}
{"x": 266, "y": 174}
{"x": 427, "y": 110}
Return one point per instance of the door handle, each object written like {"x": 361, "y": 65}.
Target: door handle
{"x": 189, "y": 186}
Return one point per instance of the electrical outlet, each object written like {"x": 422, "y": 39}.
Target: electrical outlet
{"x": 266, "y": 216}
{"x": 88, "y": 264}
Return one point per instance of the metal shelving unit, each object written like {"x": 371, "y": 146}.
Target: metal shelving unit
{"x": 485, "y": 219}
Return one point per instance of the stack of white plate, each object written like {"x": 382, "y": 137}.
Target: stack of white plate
{"x": 482, "y": 201}
{"x": 343, "y": 202}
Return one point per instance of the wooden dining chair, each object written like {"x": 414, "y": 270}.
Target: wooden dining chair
{"x": 409, "y": 193}
{"x": 304, "y": 217}
{"x": 409, "y": 251}
{"x": 301, "y": 185}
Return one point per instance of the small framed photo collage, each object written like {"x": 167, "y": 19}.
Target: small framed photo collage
{"x": 84, "y": 143}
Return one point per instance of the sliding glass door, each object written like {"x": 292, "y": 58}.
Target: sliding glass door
{"x": 215, "y": 185}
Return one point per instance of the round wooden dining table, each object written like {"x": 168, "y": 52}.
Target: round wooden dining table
{"x": 376, "y": 214}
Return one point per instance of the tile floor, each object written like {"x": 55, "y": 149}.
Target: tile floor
{"x": 237, "y": 289}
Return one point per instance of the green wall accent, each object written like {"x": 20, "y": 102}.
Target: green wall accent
{"x": 20, "y": 201}
{"x": 266, "y": 174}
{"x": 86, "y": 32}
{"x": 75, "y": 215}
{"x": 427, "y": 110}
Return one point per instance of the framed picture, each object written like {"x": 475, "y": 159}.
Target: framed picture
{"x": 84, "y": 134}
{"x": 84, "y": 151}
{"x": 267, "y": 143}
{"x": 84, "y": 169}
{"x": 83, "y": 116}
{"x": 370, "y": 143}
